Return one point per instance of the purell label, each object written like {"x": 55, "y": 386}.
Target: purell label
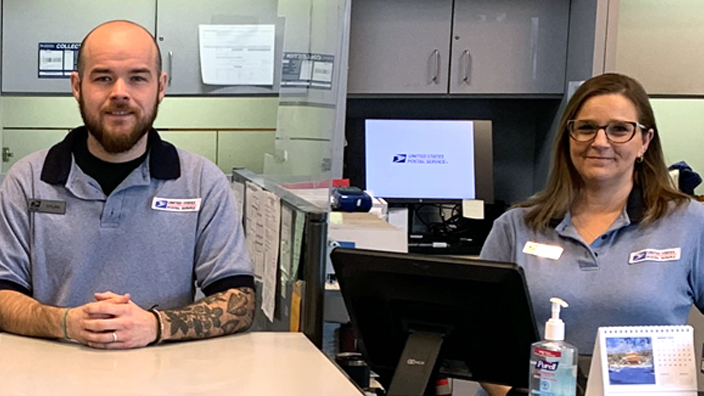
{"x": 545, "y": 365}
{"x": 547, "y": 353}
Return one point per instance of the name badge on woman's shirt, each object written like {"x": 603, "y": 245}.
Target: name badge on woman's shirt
{"x": 541, "y": 250}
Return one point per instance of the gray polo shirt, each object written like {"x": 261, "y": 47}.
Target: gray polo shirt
{"x": 630, "y": 275}
{"x": 171, "y": 222}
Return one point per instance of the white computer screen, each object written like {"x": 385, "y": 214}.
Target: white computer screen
{"x": 420, "y": 159}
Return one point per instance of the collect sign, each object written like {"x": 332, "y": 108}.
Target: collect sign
{"x": 57, "y": 60}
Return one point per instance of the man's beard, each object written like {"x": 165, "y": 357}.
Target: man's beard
{"x": 115, "y": 143}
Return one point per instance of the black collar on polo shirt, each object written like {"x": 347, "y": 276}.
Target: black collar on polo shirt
{"x": 163, "y": 159}
{"x": 635, "y": 207}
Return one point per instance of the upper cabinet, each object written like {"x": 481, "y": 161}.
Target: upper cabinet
{"x": 62, "y": 24}
{"x": 659, "y": 43}
{"x": 399, "y": 46}
{"x": 509, "y": 46}
{"x": 475, "y": 47}
{"x": 54, "y": 22}
{"x": 177, "y": 33}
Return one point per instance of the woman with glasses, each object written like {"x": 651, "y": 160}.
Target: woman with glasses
{"x": 609, "y": 233}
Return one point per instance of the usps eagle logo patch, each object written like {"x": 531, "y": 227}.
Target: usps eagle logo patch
{"x": 640, "y": 256}
{"x": 176, "y": 205}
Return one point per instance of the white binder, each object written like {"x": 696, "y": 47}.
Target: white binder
{"x": 643, "y": 360}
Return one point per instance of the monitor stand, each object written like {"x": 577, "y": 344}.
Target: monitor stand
{"x": 416, "y": 364}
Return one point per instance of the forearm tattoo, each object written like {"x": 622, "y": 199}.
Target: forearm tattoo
{"x": 222, "y": 313}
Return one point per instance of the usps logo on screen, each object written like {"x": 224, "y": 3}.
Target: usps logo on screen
{"x": 421, "y": 159}
{"x": 400, "y": 158}
{"x": 161, "y": 204}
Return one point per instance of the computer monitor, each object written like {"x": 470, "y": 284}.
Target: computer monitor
{"x": 471, "y": 317}
{"x": 422, "y": 160}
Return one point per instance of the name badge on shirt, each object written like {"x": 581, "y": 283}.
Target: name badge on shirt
{"x": 672, "y": 254}
{"x": 541, "y": 250}
{"x": 46, "y": 206}
{"x": 176, "y": 205}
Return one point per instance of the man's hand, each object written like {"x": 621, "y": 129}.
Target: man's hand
{"x": 112, "y": 322}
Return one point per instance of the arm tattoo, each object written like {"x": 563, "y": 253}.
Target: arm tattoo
{"x": 222, "y": 313}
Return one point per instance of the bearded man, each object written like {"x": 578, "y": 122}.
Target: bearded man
{"x": 103, "y": 236}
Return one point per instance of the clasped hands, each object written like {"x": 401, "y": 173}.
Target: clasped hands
{"x": 113, "y": 321}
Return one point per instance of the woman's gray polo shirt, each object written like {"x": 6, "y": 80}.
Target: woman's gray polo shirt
{"x": 172, "y": 222}
{"x": 631, "y": 275}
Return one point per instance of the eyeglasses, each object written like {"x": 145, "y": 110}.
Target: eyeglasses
{"x": 616, "y": 131}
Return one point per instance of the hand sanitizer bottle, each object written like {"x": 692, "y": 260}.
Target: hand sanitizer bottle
{"x": 553, "y": 362}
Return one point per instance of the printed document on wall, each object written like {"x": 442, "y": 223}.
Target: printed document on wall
{"x": 237, "y": 54}
{"x": 272, "y": 224}
{"x": 254, "y": 227}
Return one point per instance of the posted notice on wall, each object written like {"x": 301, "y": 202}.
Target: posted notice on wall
{"x": 57, "y": 60}
{"x": 302, "y": 69}
{"x": 237, "y": 54}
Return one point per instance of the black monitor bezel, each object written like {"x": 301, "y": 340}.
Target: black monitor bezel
{"x": 512, "y": 342}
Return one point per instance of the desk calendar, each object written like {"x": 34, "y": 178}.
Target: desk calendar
{"x": 643, "y": 360}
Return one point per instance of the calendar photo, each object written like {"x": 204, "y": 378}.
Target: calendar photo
{"x": 630, "y": 360}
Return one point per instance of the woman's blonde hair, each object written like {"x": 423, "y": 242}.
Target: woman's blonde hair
{"x": 564, "y": 183}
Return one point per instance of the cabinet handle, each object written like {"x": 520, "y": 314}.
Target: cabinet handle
{"x": 436, "y": 72}
{"x": 171, "y": 67}
{"x": 467, "y": 65}
{"x": 7, "y": 154}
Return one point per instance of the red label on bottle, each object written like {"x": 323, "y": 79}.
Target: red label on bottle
{"x": 547, "y": 353}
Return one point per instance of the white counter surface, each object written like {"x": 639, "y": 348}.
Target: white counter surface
{"x": 251, "y": 364}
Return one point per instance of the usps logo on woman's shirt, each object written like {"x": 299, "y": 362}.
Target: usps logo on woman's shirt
{"x": 672, "y": 254}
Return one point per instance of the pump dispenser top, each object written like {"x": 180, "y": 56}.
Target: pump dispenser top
{"x": 555, "y": 327}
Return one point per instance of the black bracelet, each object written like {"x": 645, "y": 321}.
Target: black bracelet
{"x": 159, "y": 326}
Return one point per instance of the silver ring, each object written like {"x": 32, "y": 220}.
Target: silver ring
{"x": 114, "y": 337}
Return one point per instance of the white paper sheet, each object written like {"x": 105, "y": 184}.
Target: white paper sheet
{"x": 51, "y": 60}
{"x": 254, "y": 228}
{"x": 285, "y": 247}
{"x": 272, "y": 224}
{"x": 299, "y": 225}
{"x": 473, "y": 209}
{"x": 238, "y": 191}
{"x": 237, "y": 54}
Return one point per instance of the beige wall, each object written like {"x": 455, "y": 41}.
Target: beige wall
{"x": 681, "y": 125}
{"x": 232, "y": 132}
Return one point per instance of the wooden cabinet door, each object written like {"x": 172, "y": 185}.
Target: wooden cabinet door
{"x": 25, "y": 24}
{"x": 21, "y": 143}
{"x": 661, "y": 44}
{"x": 177, "y": 32}
{"x": 509, "y": 46}
{"x": 399, "y": 46}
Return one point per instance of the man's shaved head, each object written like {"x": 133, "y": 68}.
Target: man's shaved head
{"x": 118, "y": 85}
{"x": 117, "y": 24}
